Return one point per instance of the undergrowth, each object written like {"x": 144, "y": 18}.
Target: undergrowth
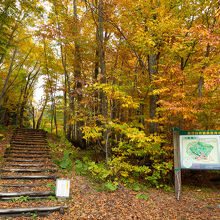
{"x": 120, "y": 171}
{"x": 2, "y": 128}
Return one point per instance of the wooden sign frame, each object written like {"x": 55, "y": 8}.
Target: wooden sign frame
{"x": 177, "y": 153}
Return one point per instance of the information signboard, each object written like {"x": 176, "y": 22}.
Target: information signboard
{"x": 200, "y": 150}
{"x": 63, "y": 188}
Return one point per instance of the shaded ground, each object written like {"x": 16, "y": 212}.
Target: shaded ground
{"x": 198, "y": 201}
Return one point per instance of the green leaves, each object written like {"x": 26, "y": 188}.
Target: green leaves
{"x": 51, "y": 198}
{"x": 65, "y": 162}
{"x": 51, "y": 186}
{"x": 108, "y": 186}
{"x": 21, "y": 199}
{"x": 80, "y": 167}
{"x": 142, "y": 196}
{"x": 96, "y": 170}
{"x": 92, "y": 133}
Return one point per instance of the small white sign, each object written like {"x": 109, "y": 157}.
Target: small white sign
{"x": 63, "y": 188}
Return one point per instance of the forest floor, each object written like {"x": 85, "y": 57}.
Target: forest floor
{"x": 199, "y": 200}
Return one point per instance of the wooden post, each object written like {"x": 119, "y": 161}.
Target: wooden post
{"x": 177, "y": 166}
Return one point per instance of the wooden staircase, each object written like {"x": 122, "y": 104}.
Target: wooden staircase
{"x": 27, "y": 171}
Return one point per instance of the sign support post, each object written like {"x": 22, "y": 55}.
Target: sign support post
{"x": 177, "y": 165}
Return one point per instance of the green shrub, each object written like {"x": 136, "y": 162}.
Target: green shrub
{"x": 97, "y": 171}
{"x": 108, "y": 186}
{"x": 65, "y": 162}
{"x": 81, "y": 168}
{"x": 131, "y": 153}
{"x": 142, "y": 196}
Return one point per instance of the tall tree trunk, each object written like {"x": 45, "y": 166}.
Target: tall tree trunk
{"x": 55, "y": 117}
{"x": 52, "y": 116}
{"x": 41, "y": 115}
{"x": 33, "y": 117}
{"x": 77, "y": 73}
{"x": 102, "y": 59}
{"x": 65, "y": 107}
{"x": 63, "y": 58}
{"x": 201, "y": 79}
{"x": 103, "y": 104}
{"x": 152, "y": 68}
{"x": 21, "y": 117}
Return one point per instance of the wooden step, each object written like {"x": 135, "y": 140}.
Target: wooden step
{"x": 29, "y": 138}
{"x": 14, "y": 212}
{"x": 24, "y": 156}
{"x": 26, "y": 152}
{"x": 28, "y": 193}
{"x": 22, "y": 185}
{"x": 25, "y": 148}
{"x": 28, "y": 170}
{"x": 26, "y": 134}
{"x": 29, "y": 177}
{"x": 29, "y": 148}
{"x": 29, "y": 131}
{"x": 27, "y": 144}
{"x": 28, "y": 198}
{"x": 29, "y": 165}
{"x": 20, "y": 161}
{"x": 30, "y": 135}
{"x": 28, "y": 141}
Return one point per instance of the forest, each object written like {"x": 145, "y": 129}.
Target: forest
{"x": 113, "y": 77}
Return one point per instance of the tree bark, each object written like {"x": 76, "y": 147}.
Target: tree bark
{"x": 41, "y": 115}
{"x": 77, "y": 75}
{"x": 33, "y": 117}
{"x": 63, "y": 58}
{"x": 152, "y": 67}
{"x": 51, "y": 121}
{"x": 201, "y": 79}
{"x": 103, "y": 106}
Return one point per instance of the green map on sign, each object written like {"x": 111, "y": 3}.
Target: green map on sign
{"x": 199, "y": 150}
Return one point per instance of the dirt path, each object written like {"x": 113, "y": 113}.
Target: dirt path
{"x": 87, "y": 203}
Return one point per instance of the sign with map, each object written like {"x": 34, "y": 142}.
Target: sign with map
{"x": 200, "y": 150}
